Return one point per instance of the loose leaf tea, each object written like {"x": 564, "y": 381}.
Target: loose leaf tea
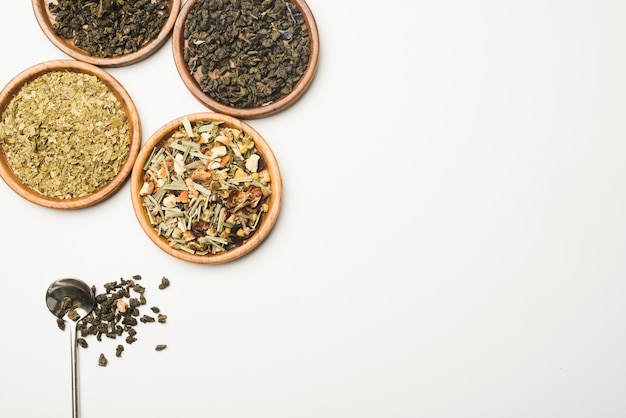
{"x": 65, "y": 134}
{"x": 246, "y": 53}
{"x": 68, "y": 307}
{"x": 165, "y": 283}
{"x": 115, "y": 314}
{"x": 102, "y": 360}
{"x": 205, "y": 188}
{"x": 119, "y": 350}
{"x": 106, "y": 28}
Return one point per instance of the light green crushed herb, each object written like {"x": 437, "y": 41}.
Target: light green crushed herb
{"x": 65, "y": 134}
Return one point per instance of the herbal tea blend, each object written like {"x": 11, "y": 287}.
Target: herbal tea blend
{"x": 205, "y": 188}
{"x": 246, "y": 53}
{"x": 65, "y": 134}
{"x": 107, "y": 28}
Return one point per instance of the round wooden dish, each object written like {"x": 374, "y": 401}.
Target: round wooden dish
{"x": 134, "y": 129}
{"x": 191, "y": 82}
{"x": 46, "y": 22}
{"x": 274, "y": 200}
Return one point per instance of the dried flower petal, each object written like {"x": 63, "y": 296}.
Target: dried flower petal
{"x": 201, "y": 209}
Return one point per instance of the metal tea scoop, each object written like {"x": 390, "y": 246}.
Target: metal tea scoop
{"x": 71, "y": 300}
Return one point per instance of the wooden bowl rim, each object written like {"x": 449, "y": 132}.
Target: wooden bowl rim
{"x": 279, "y": 105}
{"x": 134, "y": 130}
{"x": 269, "y": 219}
{"x": 45, "y": 21}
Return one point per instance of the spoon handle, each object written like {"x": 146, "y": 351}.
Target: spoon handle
{"x": 73, "y": 345}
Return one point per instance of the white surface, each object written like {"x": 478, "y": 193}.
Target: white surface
{"x": 451, "y": 242}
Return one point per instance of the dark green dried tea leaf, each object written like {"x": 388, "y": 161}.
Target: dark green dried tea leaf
{"x": 246, "y": 53}
{"x": 102, "y": 360}
{"x": 107, "y": 28}
{"x": 115, "y": 314}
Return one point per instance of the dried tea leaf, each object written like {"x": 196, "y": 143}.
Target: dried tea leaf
{"x": 102, "y": 360}
{"x": 65, "y": 134}
{"x": 118, "y": 350}
{"x": 108, "y": 319}
{"x": 107, "y": 28}
{"x": 246, "y": 53}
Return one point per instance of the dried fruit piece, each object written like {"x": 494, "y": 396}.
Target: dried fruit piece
{"x": 220, "y": 188}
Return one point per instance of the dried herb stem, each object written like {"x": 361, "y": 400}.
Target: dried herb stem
{"x": 207, "y": 192}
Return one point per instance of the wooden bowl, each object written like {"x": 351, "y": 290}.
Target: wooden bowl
{"x": 139, "y": 180}
{"x": 191, "y": 81}
{"x": 46, "y": 21}
{"x": 128, "y": 107}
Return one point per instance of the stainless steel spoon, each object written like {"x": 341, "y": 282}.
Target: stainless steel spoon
{"x": 71, "y": 300}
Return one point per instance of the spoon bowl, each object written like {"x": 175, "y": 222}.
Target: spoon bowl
{"x": 71, "y": 300}
{"x": 62, "y": 291}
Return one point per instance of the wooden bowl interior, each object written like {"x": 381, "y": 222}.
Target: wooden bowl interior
{"x": 274, "y": 201}
{"x": 192, "y": 81}
{"x": 134, "y": 130}
{"x": 45, "y": 19}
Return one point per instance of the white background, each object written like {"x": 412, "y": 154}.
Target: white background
{"x": 451, "y": 241}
